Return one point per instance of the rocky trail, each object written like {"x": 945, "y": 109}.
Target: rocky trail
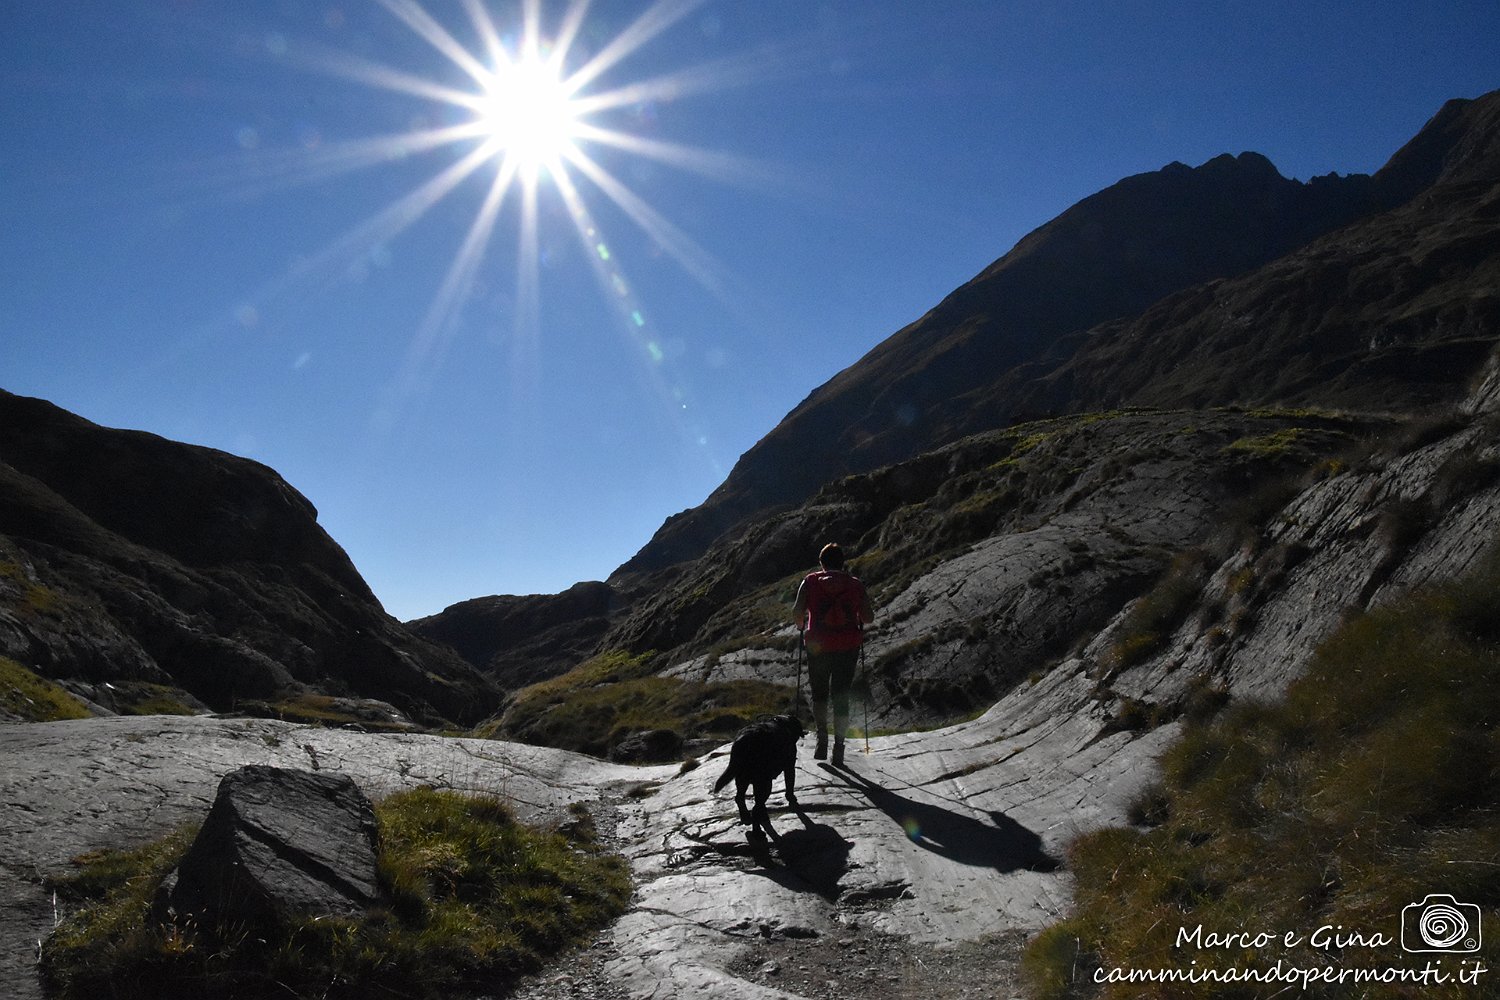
{"x": 915, "y": 870}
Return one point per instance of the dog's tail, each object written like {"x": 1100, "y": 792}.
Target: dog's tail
{"x": 724, "y": 778}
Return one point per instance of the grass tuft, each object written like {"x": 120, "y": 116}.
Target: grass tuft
{"x": 312, "y": 709}
{"x": 143, "y": 698}
{"x": 476, "y": 899}
{"x": 1152, "y": 618}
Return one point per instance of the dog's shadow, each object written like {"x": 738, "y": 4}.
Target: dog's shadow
{"x": 1001, "y": 844}
{"x": 812, "y": 857}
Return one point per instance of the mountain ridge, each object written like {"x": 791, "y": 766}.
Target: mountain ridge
{"x": 1111, "y": 255}
{"x": 127, "y": 558}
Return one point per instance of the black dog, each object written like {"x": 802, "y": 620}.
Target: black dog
{"x": 761, "y": 751}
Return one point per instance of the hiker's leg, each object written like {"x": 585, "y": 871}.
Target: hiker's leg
{"x": 819, "y": 677}
{"x": 841, "y": 679}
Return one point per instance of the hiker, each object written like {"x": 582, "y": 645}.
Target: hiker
{"x": 832, "y": 608}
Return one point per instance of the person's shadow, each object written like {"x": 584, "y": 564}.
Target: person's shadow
{"x": 1001, "y": 844}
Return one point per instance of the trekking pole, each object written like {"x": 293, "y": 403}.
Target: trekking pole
{"x": 864, "y": 672}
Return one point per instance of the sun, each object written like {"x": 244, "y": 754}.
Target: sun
{"x": 527, "y": 110}
{"x": 529, "y": 123}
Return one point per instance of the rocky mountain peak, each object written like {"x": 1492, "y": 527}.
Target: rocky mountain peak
{"x": 1458, "y": 145}
{"x": 961, "y": 368}
{"x": 521, "y": 640}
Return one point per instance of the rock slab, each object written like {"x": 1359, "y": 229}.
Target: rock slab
{"x": 278, "y": 843}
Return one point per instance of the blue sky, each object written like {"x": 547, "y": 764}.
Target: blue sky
{"x": 197, "y": 235}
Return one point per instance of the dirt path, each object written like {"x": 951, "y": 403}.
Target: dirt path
{"x": 861, "y": 962}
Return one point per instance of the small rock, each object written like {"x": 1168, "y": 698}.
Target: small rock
{"x": 649, "y": 746}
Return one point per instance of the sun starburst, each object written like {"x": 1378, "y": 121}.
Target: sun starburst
{"x": 533, "y": 114}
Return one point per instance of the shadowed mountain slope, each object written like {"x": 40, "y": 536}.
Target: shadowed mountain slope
{"x": 521, "y": 640}
{"x": 966, "y": 366}
{"x": 992, "y": 557}
{"x": 128, "y": 557}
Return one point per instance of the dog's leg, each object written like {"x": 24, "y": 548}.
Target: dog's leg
{"x": 761, "y": 823}
{"x": 740, "y": 785}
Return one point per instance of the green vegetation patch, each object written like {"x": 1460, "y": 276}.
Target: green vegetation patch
{"x": 1303, "y": 414}
{"x": 1304, "y": 444}
{"x": 142, "y": 698}
{"x": 26, "y": 595}
{"x": 605, "y": 699}
{"x": 26, "y": 696}
{"x": 1271, "y": 445}
{"x": 1373, "y": 784}
{"x": 477, "y": 899}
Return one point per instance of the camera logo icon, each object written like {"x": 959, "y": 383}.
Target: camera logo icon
{"x": 1440, "y": 923}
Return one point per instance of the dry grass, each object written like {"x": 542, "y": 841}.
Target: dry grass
{"x": 1373, "y": 783}
{"x": 1150, "y": 621}
{"x": 311, "y": 709}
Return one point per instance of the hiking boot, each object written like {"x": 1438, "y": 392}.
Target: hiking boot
{"x": 821, "y": 752}
{"x": 838, "y": 753}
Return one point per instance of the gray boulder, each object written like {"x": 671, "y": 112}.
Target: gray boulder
{"x": 277, "y": 843}
{"x": 650, "y": 746}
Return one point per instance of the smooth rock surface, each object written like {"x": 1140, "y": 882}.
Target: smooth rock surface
{"x": 705, "y": 895}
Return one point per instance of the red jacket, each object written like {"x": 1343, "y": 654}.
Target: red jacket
{"x": 834, "y": 608}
